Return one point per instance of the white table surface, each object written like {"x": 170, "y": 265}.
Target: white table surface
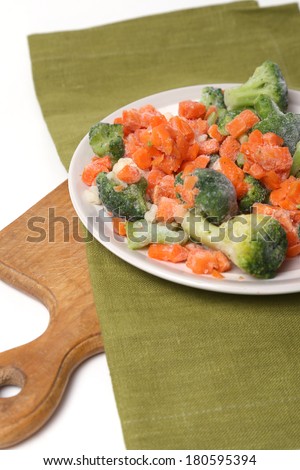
{"x": 30, "y": 167}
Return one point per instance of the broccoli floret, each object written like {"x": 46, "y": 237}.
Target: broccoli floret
{"x": 129, "y": 203}
{"x": 256, "y": 193}
{"x": 286, "y": 125}
{"x": 267, "y": 79}
{"x": 211, "y": 96}
{"x": 255, "y": 243}
{"x": 141, "y": 233}
{"x": 295, "y": 170}
{"x": 107, "y": 139}
{"x": 216, "y": 199}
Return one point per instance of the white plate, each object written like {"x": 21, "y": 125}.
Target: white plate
{"x": 236, "y": 282}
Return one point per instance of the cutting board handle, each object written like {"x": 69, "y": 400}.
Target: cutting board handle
{"x": 56, "y": 274}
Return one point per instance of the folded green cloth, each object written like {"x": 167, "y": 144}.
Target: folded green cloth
{"x": 191, "y": 369}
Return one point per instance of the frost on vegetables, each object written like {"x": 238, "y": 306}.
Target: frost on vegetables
{"x": 214, "y": 186}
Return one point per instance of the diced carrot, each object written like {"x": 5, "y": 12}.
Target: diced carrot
{"x": 214, "y": 133}
{"x": 191, "y": 109}
{"x": 287, "y": 196}
{"x": 174, "y": 253}
{"x": 96, "y": 166}
{"x": 142, "y": 157}
{"x": 234, "y": 174}
{"x": 154, "y": 177}
{"x": 131, "y": 120}
{"x": 242, "y": 123}
{"x": 205, "y": 261}
{"x": 182, "y": 126}
{"x": 192, "y": 152}
{"x": 157, "y": 120}
{"x": 119, "y": 226}
{"x": 230, "y": 148}
{"x": 118, "y": 120}
{"x": 169, "y": 210}
{"x": 164, "y": 188}
{"x": 161, "y": 139}
{"x": 272, "y": 139}
{"x": 293, "y": 251}
{"x": 189, "y": 182}
{"x": 129, "y": 174}
{"x": 199, "y": 126}
{"x": 271, "y": 180}
{"x": 199, "y": 162}
{"x": 209, "y": 146}
{"x": 147, "y": 115}
{"x": 182, "y": 147}
{"x": 187, "y": 191}
{"x": 266, "y": 160}
{"x": 255, "y": 138}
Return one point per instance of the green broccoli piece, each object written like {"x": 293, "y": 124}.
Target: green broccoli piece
{"x": 141, "y": 233}
{"x": 129, "y": 203}
{"x": 216, "y": 199}
{"x": 256, "y": 193}
{"x": 255, "y": 243}
{"x": 295, "y": 170}
{"x": 286, "y": 125}
{"x": 267, "y": 79}
{"x": 211, "y": 96}
{"x": 107, "y": 139}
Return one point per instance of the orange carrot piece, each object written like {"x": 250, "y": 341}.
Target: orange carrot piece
{"x": 199, "y": 162}
{"x": 129, "y": 174}
{"x": 174, "y": 253}
{"x": 230, "y": 148}
{"x": 181, "y": 126}
{"x": 293, "y": 251}
{"x": 169, "y": 210}
{"x": 234, "y": 174}
{"x": 161, "y": 139}
{"x": 214, "y": 133}
{"x": 209, "y": 146}
{"x": 272, "y": 139}
{"x": 119, "y": 226}
{"x": 191, "y": 109}
{"x": 96, "y": 166}
{"x": 242, "y": 123}
{"x": 205, "y": 261}
{"x": 287, "y": 196}
{"x": 142, "y": 157}
{"x": 164, "y": 188}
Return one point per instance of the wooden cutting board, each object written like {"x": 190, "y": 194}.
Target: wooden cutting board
{"x": 50, "y": 265}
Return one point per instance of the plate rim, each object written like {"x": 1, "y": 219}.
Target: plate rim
{"x": 161, "y": 269}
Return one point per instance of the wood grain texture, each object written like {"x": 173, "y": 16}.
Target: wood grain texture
{"x": 55, "y": 271}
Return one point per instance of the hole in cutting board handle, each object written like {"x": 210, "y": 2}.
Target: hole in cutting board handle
{"x": 12, "y": 381}
{"x": 8, "y": 391}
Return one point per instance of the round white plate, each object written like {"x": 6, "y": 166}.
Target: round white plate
{"x": 100, "y": 225}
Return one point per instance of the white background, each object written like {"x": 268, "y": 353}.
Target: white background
{"x": 30, "y": 167}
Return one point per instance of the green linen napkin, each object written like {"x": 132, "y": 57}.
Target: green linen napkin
{"x": 191, "y": 369}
